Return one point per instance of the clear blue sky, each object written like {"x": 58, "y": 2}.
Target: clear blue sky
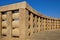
{"x": 46, "y": 7}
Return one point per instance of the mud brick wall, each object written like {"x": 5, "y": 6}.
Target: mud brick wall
{"x": 20, "y": 22}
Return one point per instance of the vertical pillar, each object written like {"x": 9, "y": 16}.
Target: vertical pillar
{"x": 55, "y": 24}
{"x": 0, "y": 24}
{"x": 47, "y": 24}
{"x": 58, "y": 24}
{"x": 9, "y": 22}
{"x": 35, "y": 23}
{"x": 30, "y": 25}
{"x": 51, "y": 24}
{"x": 22, "y": 26}
{"x": 44, "y": 24}
{"x": 41, "y": 27}
{"x": 27, "y": 23}
{"x": 38, "y": 24}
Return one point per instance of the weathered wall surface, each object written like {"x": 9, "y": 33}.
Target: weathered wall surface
{"x": 20, "y": 22}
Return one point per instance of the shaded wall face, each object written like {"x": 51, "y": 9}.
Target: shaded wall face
{"x": 37, "y": 23}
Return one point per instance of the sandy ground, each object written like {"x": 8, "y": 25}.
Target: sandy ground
{"x": 47, "y": 35}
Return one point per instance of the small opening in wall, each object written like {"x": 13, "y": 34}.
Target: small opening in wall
{"x": 33, "y": 15}
{"x": 15, "y": 19}
{"x": 29, "y": 27}
{"x": 46, "y": 28}
{"x": 29, "y": 34}
{"x": 56, "y": 27}
{"x": 4, "y": 35}
{"x": 34, "y": 25}
{"x": 13, "y": 27}
{"x": 40, "y": 29}
{"x": 37, "y": 18}
{"x": 4, "y": 27}
{"x": 40, "y": 17}
{"x": 40, "y": 21}
{"x": 3, "y": 20}
{"x": 33, "y": 31}
{"x": 16, "y": 36}
{"x": 37, "y": 25}
{"x": 33, "y": 20}
{"x": 15, "y": 11}
{"x": 29, "y": 18}
{"x": 37, "y": 30}
{"x": 59, "y": 26}
{"x": 29, "y": 13}
{"x": 4, "y": 12}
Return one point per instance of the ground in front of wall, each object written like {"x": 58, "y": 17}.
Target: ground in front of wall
{"x": 47, "y": 35}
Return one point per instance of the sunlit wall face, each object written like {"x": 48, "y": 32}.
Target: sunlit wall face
{"x": 21, "y": 23}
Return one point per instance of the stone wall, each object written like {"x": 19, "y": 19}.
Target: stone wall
{"x": 22, "y": 22}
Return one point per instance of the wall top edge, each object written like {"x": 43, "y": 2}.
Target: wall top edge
{"x": 38, "y": 13}
{"x": 24, "y": 5}
{"x": 13, "y": 6}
